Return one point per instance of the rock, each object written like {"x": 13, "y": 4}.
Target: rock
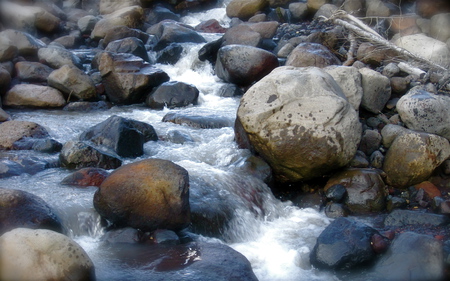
{"x": 73, "y": 82}
{"x": 411, "y": 256}
{"x": 171, "y": 95}
{"x": 298, "y": 10}
{"x": 120, "y": 136}
{"x": 86, "y": 177}
{"x": 376, "y": 90}
{"x": 23, "y": 209}
{"x": 421, "y": 110}
{"x": 26, "y": 44}
{"x": 169, "y": 31}
{"x": 429, "y": 8}
{"x": 87, "y": 23}
{"x": 316, "y": 4}
{"x": 430, "y": 189}
{"x": 370, "y": 54}
{"x": 311, "y": 54}
{"x": 110, "y": 6}
{"x": 5, "y": 81}
{"x": 370, "y": 142}
{"x": 130, "y": 45}
{"x": 4, "y": 116}
{"x": 165, "y": 237}
{"x": 159, "y": 13}
{"x": 359, "y": 160}
{"x": 365, "y": 190}
{"x": 400, "y": 218}
{"x": 131, "y": 17}
{"x": 413, "y": 156}
{"x": 396, "y": 203}
{"x": 377, "y": 8}
{"x": 87, "y": 106}
{"x": 126, "y": 235}
{"x": 355, "y": 7}
{"x": 244, "y": 65}
{"x": 230, "y": 90}
{"x": 244, "y": 9}
{"x": 77, "y": 155}
{"x": 58, "y": 57}
{"x": 391, "y": 70}
{"x": 345, "y": 243}
{"x": 404, "y": 24}
{"x": 7, "y": 49}
{"x": 121, "y": 32}
{"x": 426, "y": 47}
{"x": 43, "y": 255}
{"x": 179, "y": 137}
{"x": 22, "y": 165}
{"x": 336, "y": 192}
{"x": 210, "y": 26}
{"x": 326, "y": 10}
{"x": 156, "y": 197}
{"x": 266, "y": 29}
{"x": 286, "y": 111}
{"x": 28, "y": 18}
{"x": 349, "y": 79}
{"x": 242, "y": 35}
{"x": 14, "y": 131}
{"x": 127, "y": 78}
{"x": 170, "y": 54}
{"x": 197, "y": 121}
{"x": 33, "y": 96}
{"x": 335, "y": 210}
{"x": 32, "y": 71}
{"x": 399, "y": 85}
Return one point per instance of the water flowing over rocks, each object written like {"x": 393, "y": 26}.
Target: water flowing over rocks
{"x": 288, "y": 125}
{"x": 23, "y": 209}
{"x": 43, "y": 255}
{"x": 157, "y": 196}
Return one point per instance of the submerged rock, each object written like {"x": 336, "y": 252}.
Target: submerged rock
{"x": 300, "y": 122}
{"x": 43, "y": 255}
{"x": 155, "y": 197}
{"x": 23, "y": 209}
{"x": 198, "y": 121}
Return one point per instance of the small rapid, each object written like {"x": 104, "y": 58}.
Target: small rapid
{"x": 276, "y": 237}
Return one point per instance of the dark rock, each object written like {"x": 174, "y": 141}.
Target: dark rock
{"x": 411, "y": 256}
{"x": 370, "y": 141}
{"x": 170, "y": 54}
{"x": 336, "y": 193}
{"x": 126, "y": 235}
{"x": 230, "y": 90}
{"x": 197, "y": 121}
{"x": 155, "y": 197}
{"x": 86, "y": 177}
{"x": 379, "y": 243}
{"x": 130, "y": 45}
{"x": 18, "y": 166}
{"x": 311, "y": 54}
{"x": 344, "y": 244}
{"x": 27, "y": 45}
{"x": 396, "y": 203}
{"x": 87, "y": 106}
{"x": 14, "y": 133}
{"x": 399, "y": 85}
{"x": 209, "y": 51}
{"x": 171, "y": 95}
{"x": 32, "y": 71}
{"x": 119, "y": 135}
{"x": 23, "y": 209}
{"x": 158, "y": 14}
{"x": 166, "y": 237}
{"x": 77, "y": 155}
{"x": 244, "y": 65}
{"x": 5, "y": 80}
{"x": 429, "y": 8}
{"x": 169, "y": 31}
{"x": 377, "y": 159}
{"x": 359, "y": 160}
{"x": 335, "y": 210}
{"x": 176, "y": 136}
{"x": 405, "y": 217}
{"x": 46, "y": 145}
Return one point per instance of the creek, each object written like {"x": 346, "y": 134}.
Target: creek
{"x": 275, "y": 236}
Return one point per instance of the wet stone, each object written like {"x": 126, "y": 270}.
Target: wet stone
{"x": 406, "y": 217}
{"x": 396, "y": 203}
{"x": 336, "y": 193}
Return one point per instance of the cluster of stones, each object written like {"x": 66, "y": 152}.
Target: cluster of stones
{"x": 385, "y": 130}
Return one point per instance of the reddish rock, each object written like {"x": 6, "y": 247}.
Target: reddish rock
{"x": 430, "y": 189}
{"x": 429, "y": 8}
{"x": 210, "y": 26}
{"x": 86, "y": 177}
{"x": 379, "y": 243}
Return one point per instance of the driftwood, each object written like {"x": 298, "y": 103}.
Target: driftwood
{"x": 361, "y": 30}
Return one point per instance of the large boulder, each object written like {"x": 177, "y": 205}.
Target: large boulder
{"x": 43, "y": 255}
{"x": 411, "y": 256}
{"x": 57, "y": 57}
{"x": 376, "y": 90}
{"x": 77, "y": 155}
{"x": 311, "y": 54}
{"x": 349, "y": 79}
{"x": 23, "y": 209}
{"x": 421, "y": 110}
{"x": 300, "y": 122}
{"x": 13, "y": 132}
{"x": 412, "y": 156}
{"x": 345, "y": 243}
{"x": 132, "y": 17}
{"x": 32, "y": 71}
{"x": 172, "y": 94}
{"x": 121, "y": 136}
{"x": 242, "y": 34}
{"x": 169, "y": 31}
{"x": 426, "y": 47}
{"x": 155, "y": 197}
{"x": 244, "y": 65}
{"x": 127, "y": 79}
{"x": 365, "y": 190}
{"x": 73, "y": 82}
{"x": 244, "y": 9}
{"x": 33, "y": 96}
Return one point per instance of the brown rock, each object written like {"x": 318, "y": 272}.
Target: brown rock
{"x": 32, "y": 71}
{"x": 33, "y": 96}
{"x": 149, "y": 194}
{"x": 311, "y": 54}
{"x": 244, "y": 9}
{"x": 86, "y": 177}
{"x": 430, "y": 189}
{"x": 12, "y": 131}
{"x": 429, "y": 8}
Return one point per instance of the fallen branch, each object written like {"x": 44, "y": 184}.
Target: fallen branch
{"x": 411, "y": 70}
{"x": 351, "y": 50}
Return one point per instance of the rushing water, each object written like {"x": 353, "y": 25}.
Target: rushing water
{"x": 275, "y": 236}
